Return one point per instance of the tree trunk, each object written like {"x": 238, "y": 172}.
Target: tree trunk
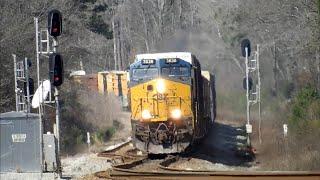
{"x": 318, "y": 65}
{"x": 114, "y": 44}
{"x": 145, "y": 28}
{"x": 120, "y": 52}
{"x": 275, "y": 70}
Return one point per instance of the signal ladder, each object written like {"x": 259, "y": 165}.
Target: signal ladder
{"x": 22, "y": 92}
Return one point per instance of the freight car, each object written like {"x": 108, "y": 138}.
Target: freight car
{"x": 114, "y": 82}
{"x": 105, "y": 82}
{"x": 172, "y": 102}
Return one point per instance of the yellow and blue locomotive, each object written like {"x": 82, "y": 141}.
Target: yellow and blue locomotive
{"x": 172, "y": 101}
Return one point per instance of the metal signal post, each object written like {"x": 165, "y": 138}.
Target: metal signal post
{"x": 248, "y": 125}
{"x": 247, "y": 87}
{"x": 252, "y": 69}
{"x": 22, "y": 93}
{"x": 56, "y": 95}
{"x": 54, "y": 29}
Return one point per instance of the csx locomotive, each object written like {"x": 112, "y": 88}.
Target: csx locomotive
{"x": 172, "y": 101}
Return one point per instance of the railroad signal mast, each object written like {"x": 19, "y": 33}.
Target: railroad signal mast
{"x": 24, "y": 87}
{"x": 252, "y": 93}
{"x": 46, "y": 46}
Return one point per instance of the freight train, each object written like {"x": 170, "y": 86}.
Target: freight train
{"x": 172, "y": 102}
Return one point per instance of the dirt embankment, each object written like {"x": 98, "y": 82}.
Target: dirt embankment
{"x": 82, "y": 164}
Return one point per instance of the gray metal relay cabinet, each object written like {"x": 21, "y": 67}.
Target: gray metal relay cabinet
{"x": 49, "y": 153}
{"x": 19, "y": 142}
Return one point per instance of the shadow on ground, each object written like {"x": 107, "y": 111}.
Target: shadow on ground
{"x": 221, "y": 146}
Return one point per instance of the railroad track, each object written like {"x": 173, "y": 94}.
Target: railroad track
{"x": 140, "y": 166}
{"x": 113, "y": 151}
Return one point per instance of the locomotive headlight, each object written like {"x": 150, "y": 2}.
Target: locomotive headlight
{"x": 176, "y": 114}
{"x": 160, "y": 86}
{"x": 146, "y": 114}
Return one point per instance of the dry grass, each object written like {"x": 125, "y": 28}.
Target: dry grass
{"x": 291, "y": 153}
{"x": 300, "y": 150}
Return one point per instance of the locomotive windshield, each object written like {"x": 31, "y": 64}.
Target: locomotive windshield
{"x": 175, "y": 71}
{"x": 144, "y": 73}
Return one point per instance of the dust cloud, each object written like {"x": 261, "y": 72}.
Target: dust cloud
{"x": 104, "y": 112}
{"x": 100, "y": 110}
{"x": 214, "y": 56}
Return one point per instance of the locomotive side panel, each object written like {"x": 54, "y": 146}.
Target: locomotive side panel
{"x": 198, "y": 100}
{"x": 206, "y": 100}
{"x": 209, "y": 98}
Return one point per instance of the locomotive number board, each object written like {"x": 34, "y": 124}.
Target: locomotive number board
{"x": 148, "y": 61}
{"x": 171, "y": 60}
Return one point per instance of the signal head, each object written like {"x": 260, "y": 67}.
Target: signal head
{"x": 55, "y": 23}
{"x": 56, "y": 69}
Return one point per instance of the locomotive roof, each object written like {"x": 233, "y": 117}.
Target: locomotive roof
{"x": 186, "y": 56}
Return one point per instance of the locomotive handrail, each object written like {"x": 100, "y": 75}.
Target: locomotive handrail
{"x": 181, "y": 100}
{"x": 136, "y": 111}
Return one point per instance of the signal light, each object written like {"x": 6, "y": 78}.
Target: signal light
{"x": 55, "y": 23}
{"x": 245, "y": 44}
{"x": 31, "y": 87}
{"x": 56, "y": 69}
{"x": 29, "y": 63}
{"x": 244, "y": 83}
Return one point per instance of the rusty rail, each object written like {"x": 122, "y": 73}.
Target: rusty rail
{"x": 164, "y": 171}
{"x": 112, "y": 152}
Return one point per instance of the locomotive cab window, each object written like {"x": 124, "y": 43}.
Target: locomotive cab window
{"x": 175, "y": 71}
{"x": 144, "y": 73}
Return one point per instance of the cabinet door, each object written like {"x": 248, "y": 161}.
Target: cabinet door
{"x": 6, "y": 148}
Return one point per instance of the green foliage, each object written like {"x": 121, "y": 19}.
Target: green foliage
{"x": 96, "y": 24}
{"x": 286, "y": 88}
{"x": 103, "y": 135}
{"x": 303, "y": 105}
{"x": 100, "y": 135}
{"x": 234, "y": 101}
{"x": 73, "y": 137}
{"x": 117, "y": 124}
{"x": 73, "y": 131}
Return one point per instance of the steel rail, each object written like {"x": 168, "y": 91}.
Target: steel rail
{"x": 114, "y": 150}
{"x": 164, "y": 171}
